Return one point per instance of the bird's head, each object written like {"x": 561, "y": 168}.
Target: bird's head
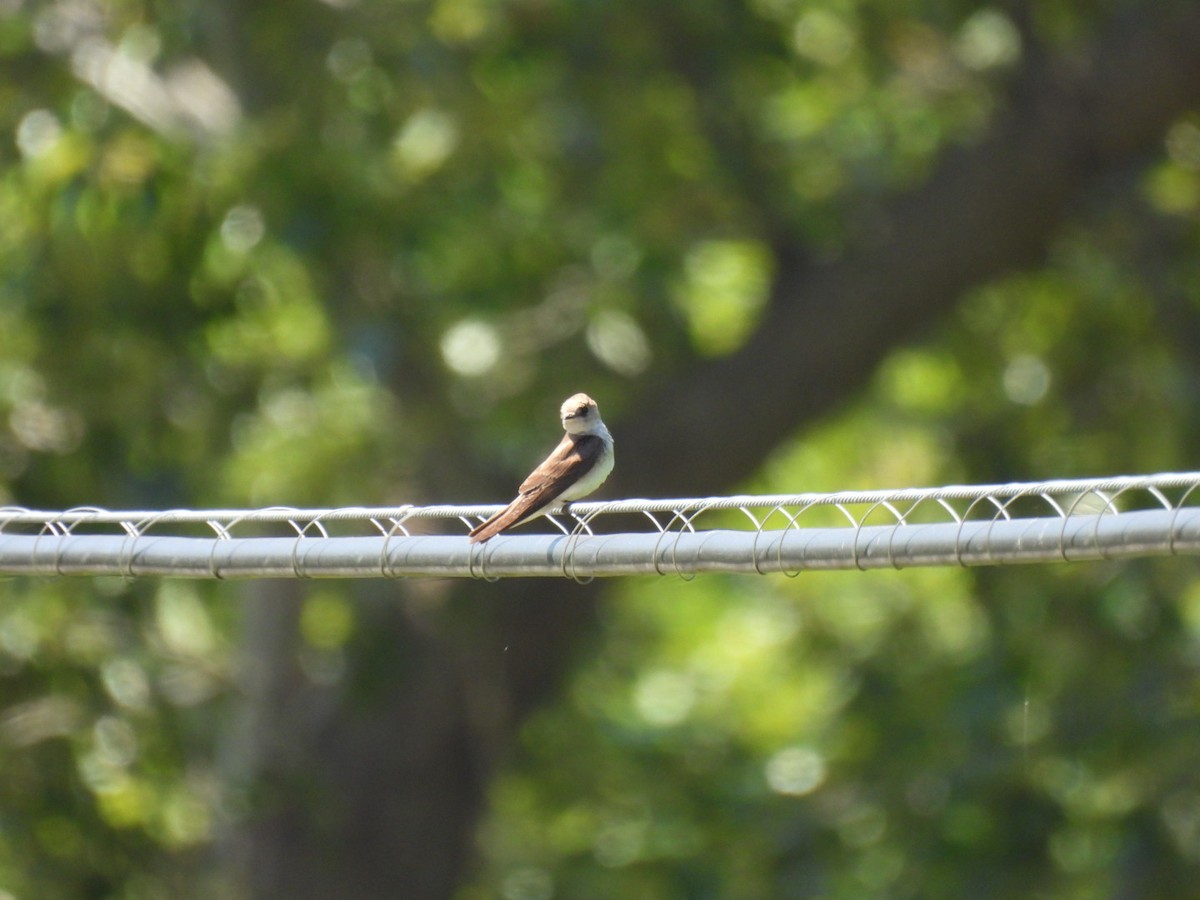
{"x": 580, "y": 414}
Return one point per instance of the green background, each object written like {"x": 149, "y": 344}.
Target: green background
{"x": 357, "y": 252}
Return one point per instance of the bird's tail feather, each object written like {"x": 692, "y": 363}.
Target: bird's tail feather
{"x": 520, "y": 510}
{"x": 496, "y": 524}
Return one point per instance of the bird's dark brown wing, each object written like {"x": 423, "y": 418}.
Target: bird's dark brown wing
{"x": 571, "y": 460}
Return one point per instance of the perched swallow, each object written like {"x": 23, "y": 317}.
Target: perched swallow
{"x": 578, "y": 465}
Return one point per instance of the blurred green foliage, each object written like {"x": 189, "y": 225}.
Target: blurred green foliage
{"x": 986, "y": 733}
{"x": 269, "y": 254}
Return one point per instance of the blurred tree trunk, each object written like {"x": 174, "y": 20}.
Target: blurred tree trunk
{"x": 371, "y": 786}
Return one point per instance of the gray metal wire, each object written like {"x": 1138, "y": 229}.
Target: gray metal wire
{"x": 961, "y": 525}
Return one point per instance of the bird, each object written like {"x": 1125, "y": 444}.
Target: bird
{"x": 579, "y": 464}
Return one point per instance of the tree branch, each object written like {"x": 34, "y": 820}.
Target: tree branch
{"x": 989, "y": 209}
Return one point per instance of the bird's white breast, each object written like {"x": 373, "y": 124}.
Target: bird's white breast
{"x": 595, "y": 476}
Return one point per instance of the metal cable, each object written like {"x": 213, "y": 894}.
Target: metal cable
{"x": 961, "y": 525}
